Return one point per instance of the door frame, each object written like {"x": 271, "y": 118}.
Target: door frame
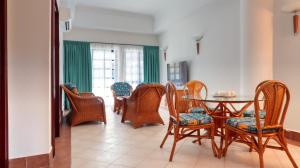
{"x": 3, "y": 86}
{"x": 55, "y": 94}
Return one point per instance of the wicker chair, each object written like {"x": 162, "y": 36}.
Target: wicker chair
{"x": 183, "y": 125}
{"x": 85, "y": 107}
{"x": 120, "y": 89}
{"x": 257, "y": 132}
{"x": 142, "y": 106}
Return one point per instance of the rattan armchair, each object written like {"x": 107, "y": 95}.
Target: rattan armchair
{"x": 85, "y": 107}
{"x": 142, "y": 106}
{"x": 256, "y": 132}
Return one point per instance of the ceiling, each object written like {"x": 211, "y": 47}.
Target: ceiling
{"x": 148, "y": 7}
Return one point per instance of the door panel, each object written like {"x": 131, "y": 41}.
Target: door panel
{"x": 3, "y": 86}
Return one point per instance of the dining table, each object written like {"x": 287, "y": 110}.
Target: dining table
{"x": 220, "y": 109}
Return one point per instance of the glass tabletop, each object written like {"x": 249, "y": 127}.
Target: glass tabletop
{"x": 236, "y": 99}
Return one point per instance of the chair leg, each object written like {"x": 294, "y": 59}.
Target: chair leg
{"x": 170, "y": 127}
{"x": 260, "y": 152}
{"x": 176, "y": 131}
{"x": 199, "y": 139}
{"x": 226, "y": 141}
{"x": 251, "y": 147}
{"x": 285, "y": 148}
{"x": 213, "y": 143}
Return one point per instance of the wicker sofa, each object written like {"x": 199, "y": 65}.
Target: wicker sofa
{"x": 142, "y": 106}
{"x": 85, "y": 106}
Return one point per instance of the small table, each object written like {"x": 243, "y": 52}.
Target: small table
{"x": 225, "y": 108}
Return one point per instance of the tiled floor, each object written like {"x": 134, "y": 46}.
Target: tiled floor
{"x": 118, "y": 145}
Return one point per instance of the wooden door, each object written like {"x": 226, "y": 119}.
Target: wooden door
{"x": 55, "y": 103}
{"x": 3, "y": 86}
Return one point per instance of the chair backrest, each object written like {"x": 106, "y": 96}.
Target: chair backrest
{"x": 256, "y": 89}
{"x": 196, "y": 88}
{"x": 121, "y": 89}
{"x": 171, "y": 97}
{"x": 148, "y": 97}
{"x": 276, "y": 101}
{"x": 70, "y": 96}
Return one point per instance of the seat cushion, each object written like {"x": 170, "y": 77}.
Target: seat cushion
{"x": 194, "y": 119}
{"x": 251, "y": 113}
{"x": 248, "y": 124}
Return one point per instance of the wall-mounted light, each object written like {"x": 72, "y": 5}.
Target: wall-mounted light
{"x": 198, "y": 40}
{"x": 165, "y": 53}
{"x": 293, "y": 8}
{"x": 296, "y": 23}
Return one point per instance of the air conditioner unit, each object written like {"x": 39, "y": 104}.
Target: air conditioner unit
{"x": 67, "y": 25}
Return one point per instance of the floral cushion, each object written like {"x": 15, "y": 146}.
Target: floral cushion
{"x": 194, "y": 119}
{"x": 251, "y": 113}
{"x": 72, "y": 87}
{"x": 249, "y": 124}
{"x": 121, "y": 88}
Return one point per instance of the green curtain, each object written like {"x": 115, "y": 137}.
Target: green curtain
{"x": 151, "y": 64}
{"x": 78, "y": 65}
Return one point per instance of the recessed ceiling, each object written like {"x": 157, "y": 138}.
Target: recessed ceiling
{"x": 149, "y": 7}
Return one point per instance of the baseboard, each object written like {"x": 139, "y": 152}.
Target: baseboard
{"x": 292, "y": 136}
{"x": 43, "y": 160}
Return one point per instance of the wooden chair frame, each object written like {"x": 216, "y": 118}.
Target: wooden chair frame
{"x": 195, "y": 88}
{"x": 277, "y": 97}
{"x": 180, "y": 132}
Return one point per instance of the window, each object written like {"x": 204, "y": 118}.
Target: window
{"x": 134, "y": 65}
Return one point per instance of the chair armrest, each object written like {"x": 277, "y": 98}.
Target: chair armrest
{"x": 86, "y": 94}
{"x": 89, "y": 104}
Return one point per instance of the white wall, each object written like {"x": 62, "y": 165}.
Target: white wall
{"x": 29, "y": 77}
{"x": 287, "y": 60}
{"x": 256, "y": 43}
{"x": 218, "y": 64}
{"x": 99, "y": 18}
{"x": 92, "y": 35}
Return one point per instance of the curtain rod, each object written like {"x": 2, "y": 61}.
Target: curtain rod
{"x": 115, "y": 43}
{"x": 118, "y": 44}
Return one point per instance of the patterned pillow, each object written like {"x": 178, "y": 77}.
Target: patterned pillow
{"x": 197, "y": 110}
{"x": 72, "y": 87}
{"x": 121, "y": 89}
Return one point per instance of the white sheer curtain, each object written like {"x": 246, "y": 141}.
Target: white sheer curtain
{"x": 132, "y": 64}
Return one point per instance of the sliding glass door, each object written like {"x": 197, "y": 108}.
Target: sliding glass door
{"x": 104, "y": 72}
{"x": 115, "y": 63}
